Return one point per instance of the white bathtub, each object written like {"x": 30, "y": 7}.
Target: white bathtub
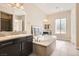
{"x": 44, "y": 45}
{"x": 41, "y": 38}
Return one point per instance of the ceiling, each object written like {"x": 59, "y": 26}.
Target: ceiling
{"x": 50, "y": 8}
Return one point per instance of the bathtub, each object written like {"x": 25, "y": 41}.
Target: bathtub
{"x": 44, "y": 45}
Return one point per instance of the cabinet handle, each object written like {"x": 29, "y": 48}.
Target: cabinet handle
{"x": 22, "y": 46}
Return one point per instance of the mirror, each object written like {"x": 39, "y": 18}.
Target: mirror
{"x": 19, "y": 22}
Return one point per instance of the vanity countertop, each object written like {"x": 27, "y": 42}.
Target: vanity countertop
{"x": 9, "y": 37}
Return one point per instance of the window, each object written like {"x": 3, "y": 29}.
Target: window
{"x": 60, "y": 26}
{"x": 46, "y": 26}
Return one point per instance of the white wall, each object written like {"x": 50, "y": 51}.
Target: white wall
{"x": 73, "y": 24}
{"x": 60, "y": 15}
{"x": 34, "y": 16}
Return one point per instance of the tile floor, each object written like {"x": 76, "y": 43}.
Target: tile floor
{"x": 63, "y": 48}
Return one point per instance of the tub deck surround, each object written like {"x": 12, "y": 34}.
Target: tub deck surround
{"x": 45, "y": 43}
{"x": 45, "y": 40}
{"x": 45, "y": 46}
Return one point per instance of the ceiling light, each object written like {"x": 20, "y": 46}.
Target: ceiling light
{"x": 16, "y": 5}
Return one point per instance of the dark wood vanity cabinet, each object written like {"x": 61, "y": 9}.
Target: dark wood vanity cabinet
{"x": 17, "y": 47}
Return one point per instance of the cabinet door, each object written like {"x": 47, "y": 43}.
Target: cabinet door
{"x": 27, "y": 46}
{"x": 9, "y": 49}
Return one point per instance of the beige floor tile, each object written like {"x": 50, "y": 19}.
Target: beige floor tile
{"x": 63, "y": 48}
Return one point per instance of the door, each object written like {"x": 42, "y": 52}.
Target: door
{"x": 27, "y": 45}
{"x": 9, "y": 48}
